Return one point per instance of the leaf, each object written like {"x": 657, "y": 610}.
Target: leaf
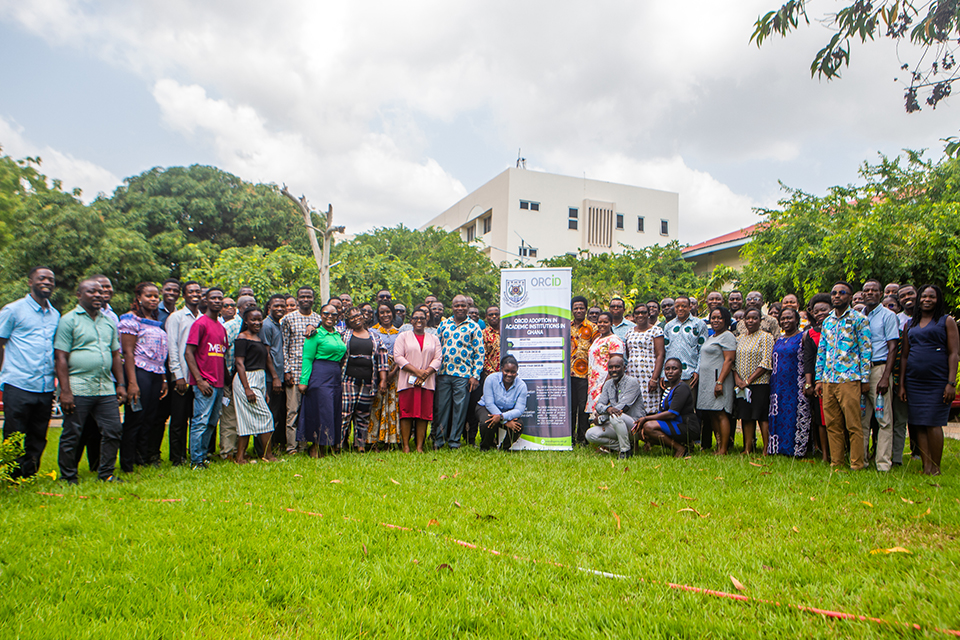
{"x": 336, "y": 482}
{"x": 737, "y": 584}
{"x": 891, "y": 550}
{"x": 297, "y": 475}
{"x": 867, "y": 503}
{"x": 654, "y": 504}
{"x": 433, "y": 523}
{"x": 812, "y": 499}
{"x": 618, "y": 519}
{"x": 456, "y": 504}
{"x": 52, "y": 475}
{"x": 907, "y": 501}
{"x": 603, "y": 487}
{"x": 694, "y": 511}
{"x": 612, "y": 465}
{"x": 925, "y": 513}
{"x": 443, "y": 477}
{"x": 796, "y": 530}
{"x": 394, "y": 481}
{"x": 685, "y": 497}
{"x": 486, "y": 517}
{"x": 365, "y": 550}
{"x": 887, "y": 490}
{"x": 445, "y": 566}
{"x": 755, "y": 464}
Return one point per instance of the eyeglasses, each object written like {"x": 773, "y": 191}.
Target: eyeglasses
{"x": 327, "y": 314}
{"x": 229, "y": 304}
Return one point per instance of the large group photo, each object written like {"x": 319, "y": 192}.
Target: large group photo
{"x": 485, "y": 321}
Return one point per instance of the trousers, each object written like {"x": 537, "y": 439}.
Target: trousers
{"x": 841, "y": 408}
{"x": 449, "y": 410}
{"x": 490, "y": 436}
{"x": 885, "y": 420}
{"x": 28, "y": 413}
{"x": 615, "y": 433}
{"x": 106, "y": 412}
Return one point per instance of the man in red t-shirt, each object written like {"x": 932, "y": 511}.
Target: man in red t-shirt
{"x": 205, "y": 355}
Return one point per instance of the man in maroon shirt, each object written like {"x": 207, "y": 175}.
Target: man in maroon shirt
{"x": 206, "y": 355}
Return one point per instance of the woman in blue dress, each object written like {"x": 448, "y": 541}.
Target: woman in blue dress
{"x": 928, "y": 373}
{"x": 789, "y": 407}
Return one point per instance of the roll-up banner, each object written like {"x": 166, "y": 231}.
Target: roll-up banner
{"x": 535, "y": 329}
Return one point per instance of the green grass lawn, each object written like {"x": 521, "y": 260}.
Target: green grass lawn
{"x": 236, "y": 556}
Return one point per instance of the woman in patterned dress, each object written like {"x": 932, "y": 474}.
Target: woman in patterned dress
{"x": 752, "y": 373}
{"x": 363, "y": 371}
{"x": 383, "y": 411}
{"x": 645, "y": 354}
{"x": 789, "y": 407}
{"x": 605, "y": 345}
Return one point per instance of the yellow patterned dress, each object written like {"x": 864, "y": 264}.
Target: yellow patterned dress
{"x": 383, "y": 411}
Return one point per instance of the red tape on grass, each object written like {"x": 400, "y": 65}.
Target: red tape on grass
{"x": 839, "y": 615}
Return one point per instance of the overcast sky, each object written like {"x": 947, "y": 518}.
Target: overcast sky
{"x": 393, "y": 111}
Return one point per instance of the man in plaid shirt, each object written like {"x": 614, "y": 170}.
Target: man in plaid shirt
{"x": 293, "y": 327}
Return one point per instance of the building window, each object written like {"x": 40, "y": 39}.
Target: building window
{"x": 639, "y": 224}
{"x": 471, "y": 232}
{"x": 599, "y": 227}
{"x": 573, "y": 219}
{"x": 620, "y": 221}
{"x": 664, "y": 227}
{"x": 487, "y": 224}
{"x": 527, "y": 252}
{"x": 532, "y": 206}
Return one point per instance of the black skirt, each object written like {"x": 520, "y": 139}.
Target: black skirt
{"x": 759, "y": 406}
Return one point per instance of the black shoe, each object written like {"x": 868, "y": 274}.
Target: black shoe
{"x": 112, "y": 478}
{"x": 72, "y": 481}
{"x": 626, "y": 454}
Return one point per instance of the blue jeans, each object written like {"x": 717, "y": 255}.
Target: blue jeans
{"x": 450, "y": 410}
{"x": 206, "y": 412}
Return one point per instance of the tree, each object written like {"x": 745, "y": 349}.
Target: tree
{"x": 282, "y": 270}
{"x": 902, "y": 225}
{"x": 637, "y": 275}
{"x": 934, "y": 25}
{"x": 413, "y": 264}
{"x": 178, "y": 206}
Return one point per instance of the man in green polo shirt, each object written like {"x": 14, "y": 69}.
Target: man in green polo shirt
{"x": 86, "y": 350}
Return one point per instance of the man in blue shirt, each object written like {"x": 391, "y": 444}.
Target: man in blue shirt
{"x": 504, "y": 401}
{"x": 884, "y": 333}
{"x": 27, "y": 328}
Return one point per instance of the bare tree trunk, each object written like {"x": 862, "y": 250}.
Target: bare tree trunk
{"x": 321, "y": 256}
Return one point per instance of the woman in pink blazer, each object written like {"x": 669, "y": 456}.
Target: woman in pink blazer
{"x": 417, "y": 353}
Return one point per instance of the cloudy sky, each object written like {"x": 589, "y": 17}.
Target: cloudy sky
{"x": 393, "y": 111}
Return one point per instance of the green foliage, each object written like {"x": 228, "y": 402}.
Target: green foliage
{"x": 282, "y": 270}
{"x": 935, "y": 28}
{"x": 413, "y": 264}
{"x": 902, "y": 225}
{"x": 636, "y": 275}
{"x": 10, "y": 449}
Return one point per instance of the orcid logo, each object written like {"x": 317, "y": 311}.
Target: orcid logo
{"x": 515, "y": 292}
{"x": 545, "y": 281}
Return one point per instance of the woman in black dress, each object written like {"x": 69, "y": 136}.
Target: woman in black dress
{"x": 676, "y": 425}
{"x": 928, "y": 373}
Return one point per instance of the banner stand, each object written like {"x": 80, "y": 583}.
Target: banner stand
{"x": 535, "y": 329}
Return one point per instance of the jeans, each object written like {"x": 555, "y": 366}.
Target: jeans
{"x": 28, "y": 413}
{"x": 206, "y": 412}
{"x": 106, "y": 412}
{"x": 449, "y": 410}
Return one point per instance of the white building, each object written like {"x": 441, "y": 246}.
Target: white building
{"x": 534, "y": 215}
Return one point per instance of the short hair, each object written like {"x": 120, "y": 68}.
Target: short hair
{"x": 756, "y": 311}
{"x": 508, "y": 359}
{"x": 276, "y": 296}
{"x": 687, "y": 298}
{"x": 38, "y": 267}
{"x": 575, "y": 299}
{"x": 246, "y": 312}
{"x": 190, "y": 282}
{"x": 725, "y": 314}
{"x": 493, "y": 306}
{"x": 170, "y": 281}
{"x": 422, "y": 309}
{"x": 818, "y": 298}
{"x": 618, "y": 298}
{"x": 213, "y": 288}
{"x": 907, "y": 286}
{"x": 879, "y": 284}
{"x": 95, "y": 276}
{"x": 606, "y": 313}
{"x": 305, "y": 288}
{"x": 332, "y": 298}
{"x": 677, "y": 360}
{"x": 616, "y": 355}
{"x": 733, "y": 292}
{"x": 845, "y": 284}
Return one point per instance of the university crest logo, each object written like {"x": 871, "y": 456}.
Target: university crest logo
{"x": 515, "y": 292}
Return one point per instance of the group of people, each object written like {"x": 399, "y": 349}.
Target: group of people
{"x": 820, "y": 378}
{"x": 849, "y": 369}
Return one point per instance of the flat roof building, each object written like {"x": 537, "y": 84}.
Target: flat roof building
{"x": 532, "y": 215}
